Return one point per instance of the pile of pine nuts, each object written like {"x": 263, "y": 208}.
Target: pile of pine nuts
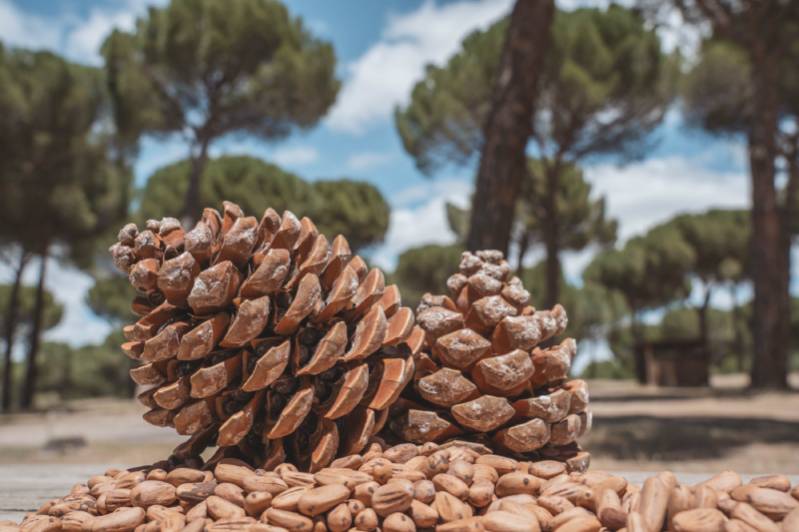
{"x": 449, "y": 488}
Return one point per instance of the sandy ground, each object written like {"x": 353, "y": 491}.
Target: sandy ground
{"x": 694, "y": 430}
{"x": 635, "y": 428}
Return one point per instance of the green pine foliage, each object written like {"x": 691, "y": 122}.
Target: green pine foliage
{"x": 250, "y": 182}
{"x": 207, "y": 69}
{"x": 355, "y": 209}
{"x": 606, "y": 85}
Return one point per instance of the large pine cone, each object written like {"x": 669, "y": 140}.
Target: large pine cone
{"x": 483, "y": 372}
{"x": 262, "y": 337}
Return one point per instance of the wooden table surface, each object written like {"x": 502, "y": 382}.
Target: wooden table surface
{"x": 23, "y": 488}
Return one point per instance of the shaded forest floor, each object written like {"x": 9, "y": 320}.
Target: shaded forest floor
{"x": 635, "y": 428}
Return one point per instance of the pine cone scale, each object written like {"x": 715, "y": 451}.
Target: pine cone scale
{"x": 268, "y": 368}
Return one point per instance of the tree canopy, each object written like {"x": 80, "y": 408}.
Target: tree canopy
{"x": 86, "y": 371}
{"x": 582, "y": 217}
{"x": 354, "y": 208}
{"x": 250, "y": 182}
{"x": 606, "y": 84}
{"x": 658, "y": 270}
{"x": 649, "y": 271}
{"x": 55, "y": 164}
{"x": 110, "y": 298}
{"x": 206, "y": 69}
{"x": 746, "y": 82}
{"x": 719, "y": 239}
{"x": 59, "y": 188}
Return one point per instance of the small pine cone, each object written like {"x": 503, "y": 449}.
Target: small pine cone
{"x": 263, "y": 338}
{"x": 486, "y": 370}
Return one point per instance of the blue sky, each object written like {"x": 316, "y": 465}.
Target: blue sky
{"x": 382, "y": 47}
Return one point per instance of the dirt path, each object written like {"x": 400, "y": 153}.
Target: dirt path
{"x": 643, "y": 428}
{"x": 635, "y": 428}
{"x": 89, "y": 431}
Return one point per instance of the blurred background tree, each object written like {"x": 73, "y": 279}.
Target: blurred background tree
{"x": 24, "y": 317}
{"x": 605, "y": 85}
{"x": 56, "y": 165}
{"x": 205, "y": 69}
{"x": 87, "y": 371}
{"x": 745, "y": 82}
{"x": 110, "y": 297}
{"x": 356, "y": 208}
{"x": 247, "y": 181}
{"x": 650, "y": 272}
{"x": 719, "y": 240}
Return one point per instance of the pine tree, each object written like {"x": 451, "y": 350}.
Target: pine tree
{"x": 605, "y": 85}
{"x": 211, "y": 69}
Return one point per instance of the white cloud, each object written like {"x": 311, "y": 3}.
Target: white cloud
{"x": 23, "y": 29}
{"x": 84, "y": 41}
{"x": 83, "y": 38}
{"x": 295, "y": 155}
{"x": 415, "y": 223}
{"x": 643, "y": 194}
{"x": 382, "y": 77}
{"x": 319, "y": 27}
{"x": 79, "y": 325}
{"x": 77, "y": 37}
{"x": 639, "y": 195}
{"x": 367, "y": 160}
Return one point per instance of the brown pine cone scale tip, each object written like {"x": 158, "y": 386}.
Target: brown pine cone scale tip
{"x": 262, "y": 337}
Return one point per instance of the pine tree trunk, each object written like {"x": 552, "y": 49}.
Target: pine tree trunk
{"x": 509, "y": 125}
{"x": 552, "y": 238}
{"x": 639, "y": 358}
{"x": 524, "y": 244}
{"x": 738, "y": 337}
{"x": 191, "y": 207}
{"x": 770, "y": 279}
{"x": 11, "y": 329}
{"x": 31, "y": 373}
{"x": 704, "y": 326}
{"x": 788, "y": 223}
{"x": 66, "y": 375}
